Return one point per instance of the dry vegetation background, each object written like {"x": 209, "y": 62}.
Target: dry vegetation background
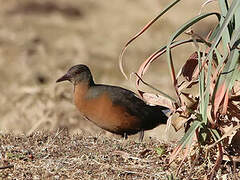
{"x": 41, "y": 39}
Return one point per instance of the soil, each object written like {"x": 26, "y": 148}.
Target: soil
{"x": 59, "y": 155}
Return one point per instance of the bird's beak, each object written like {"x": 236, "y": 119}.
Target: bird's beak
{"x": 64, "y": 78}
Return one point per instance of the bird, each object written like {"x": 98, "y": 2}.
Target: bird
{"x": 112, "y": 108}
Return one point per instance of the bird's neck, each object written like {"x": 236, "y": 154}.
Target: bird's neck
{"x": 87, "y": 82}
{"x": 83, "y": 85}
{"x": 80, "y": 91}
{"x": 81, "y": 88}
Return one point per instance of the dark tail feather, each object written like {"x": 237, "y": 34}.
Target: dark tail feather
{"x": 165, "y": 110}
{"x": 163, "y": 113}
{"x": 157, "y": 116}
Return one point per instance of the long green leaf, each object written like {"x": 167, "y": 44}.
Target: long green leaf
{"x": 229, "y": 67}
{"x": 237, "y": 18}
{"x": 165, "y": 10}
{"x": 182, "y": 29}
{"x": 207, "y": 90}
{"x": 226, "y": 21}
{"x": 226, "y": 36}
{"x": 187, "y": 138}
{"x": 201, "y": 85}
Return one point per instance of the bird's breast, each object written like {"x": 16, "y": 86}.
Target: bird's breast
{"x": 101, "y": 111}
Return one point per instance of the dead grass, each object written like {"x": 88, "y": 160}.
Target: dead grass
{"x": 49, "y": 155}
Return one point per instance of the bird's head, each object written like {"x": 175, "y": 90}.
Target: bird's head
{"x": 78, "y": 74}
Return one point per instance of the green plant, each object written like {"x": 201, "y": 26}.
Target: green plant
{"x": 211, "y": 116}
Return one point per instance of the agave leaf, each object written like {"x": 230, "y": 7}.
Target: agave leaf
{"x": 165, "y": 10}
{"x": 186, "y": 139}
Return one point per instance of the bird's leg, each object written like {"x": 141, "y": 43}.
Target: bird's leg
{"x": 141, "y": 135}
{"x": 125, "y": 136}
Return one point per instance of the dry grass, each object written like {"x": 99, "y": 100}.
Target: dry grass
{"x": 49, "y": 155}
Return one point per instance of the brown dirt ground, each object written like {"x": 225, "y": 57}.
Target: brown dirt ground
{"x": 39, "y": 41}
{"x": 49, "y": 155}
